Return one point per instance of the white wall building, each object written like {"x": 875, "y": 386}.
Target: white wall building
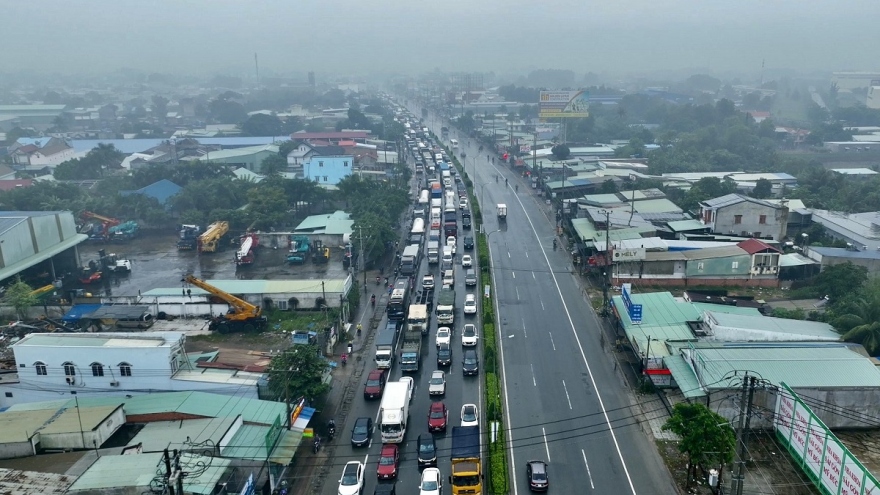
{"x": 51, "y": 366}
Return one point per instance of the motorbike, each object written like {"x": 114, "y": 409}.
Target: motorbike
{"x": 331, "y": 430}
{"x": 283, "y": 489}
{"x": 373, "y": 300}
{"x": 317, "y": 445}
{"x": 554, "y": 244}
{"x": 378, "y": 280}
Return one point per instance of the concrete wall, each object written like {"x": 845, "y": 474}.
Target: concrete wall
{"x": 328, "y": 169}
{"x": 74, "y": 439}
{"x": 838, "y": 408}
{"x": 872, "y": 265}
{"x": 16, "y": 449}
{"x": 775, "y": 226}
{"x": 730, "y": 266}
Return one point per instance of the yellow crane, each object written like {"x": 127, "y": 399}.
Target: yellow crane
{"x": 42, "y": 290}
{"x": 209, "y": 240}
{"x": 242, "y": 315}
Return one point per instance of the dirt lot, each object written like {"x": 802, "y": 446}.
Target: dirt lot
{"x": 240, "y": 349}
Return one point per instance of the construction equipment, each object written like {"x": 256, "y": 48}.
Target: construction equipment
{"x": 90, "y": 273}
{"x": 124, "y": 231}
{"x": 299, "y": 249}
{"x": 42, "y": 291}
{"x": 245, "y": 253}
{"x": 210, "y": 239}
{"x": 111, "y": 263}
{"x": 322, "y": 252}
{"x": 101, "y": 232}
{"x": 242, "y": 315}
{"x": 189, "y": 237}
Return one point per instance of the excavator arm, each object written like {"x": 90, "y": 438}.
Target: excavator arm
{"x": 243, "y": 310}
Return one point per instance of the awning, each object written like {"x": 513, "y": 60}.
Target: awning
{"x": 32, "y": 260}
{"x": 794, "y": 259}
{"x": 286, "y": 447}
{"x": 684, "y": 376}
{"x": 79, "y": 311}
{"x": 302, "y": 421}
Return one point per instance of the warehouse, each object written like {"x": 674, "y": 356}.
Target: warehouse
{"x": 40, "y": 246}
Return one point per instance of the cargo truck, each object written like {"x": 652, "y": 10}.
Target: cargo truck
{"x": 411, "y": 349}
{"x": 433, "y": 252}
{"x": 467, "y": 475}
{"x": 417, "y": 319}
{"x": 386, "y": 345}
{"x": 410, "y": 260}
{"x": 502, "y": 212}
{"x": 394, "y": 411}
{"x": 446, "y": 306}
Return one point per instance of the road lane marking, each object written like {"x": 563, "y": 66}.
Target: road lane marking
{"x": 527, "y": 254}
{"x": 533, "y": 276}
{"x": 525, "y": 334}
{"x": 551, "y": 341}
{"x": 566, "y": 395}
{"x": 542, "y": 303}
{"x": 632, "y": 488}
{"x": 514, "y": 274}
{"x": 534, "y": 382}
{"x": 508, "y": 254}
{"x": 546, "y": 445}
{"x": 589, "y": 474}
{"x": 517, "y": 293}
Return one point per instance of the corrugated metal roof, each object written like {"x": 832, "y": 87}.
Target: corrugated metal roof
{"x": 798, "y": 366}
{"x": 18, "y": 482}
{"x": 782, "y": 327}
{"x": 794, "y": 259}
{"x": 138, "y": 470}
{"x": 727, "y": 309}
{"x": 601, "y": 199}
{"x": 19, "y": 426}
{"x": 663, "y": 318}
{"x": 32, "y": 260}
{"x": 238, "y": 152}
{"x": 158, "y": 435}
{"x": 7, "y": 224}
{"x": 714, "y": 252}
{"x": 195, "y": 403}
{"x": 246, "y": 287}
{"x": 72, "y": 420}
{"x": 656, "y": 206}
{"x": 753, "y": 246}
{"x": 868, "y": 254}
{"x": 338, "y": 222}
{"x": 682, "y": 225}
{"x": 151, "y": 339}
{"x": 684, "y": 376}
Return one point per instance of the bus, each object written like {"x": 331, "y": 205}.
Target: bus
{"x": 418, "y": 226}
{"x": 454, "y": 143}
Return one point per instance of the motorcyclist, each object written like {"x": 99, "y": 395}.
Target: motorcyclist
{"x": 360, "y": 329}
{"x": 554, "y": 244}
{"x": 516, "y": 188}
{"x": 505, "y": 181}
{"x": 344, "y": 359}
{"x": 373, "y": 300}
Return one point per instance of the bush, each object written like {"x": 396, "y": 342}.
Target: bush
{"x": 498, "y": 464}
{"x": 488, "y": 334}
{"x": 489, "y": 356}
{"x": 494, "y": 409}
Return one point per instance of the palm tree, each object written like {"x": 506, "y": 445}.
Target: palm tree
{"x": 859, "y": 319}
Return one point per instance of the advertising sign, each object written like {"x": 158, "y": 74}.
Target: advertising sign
{"x": 633, "y": 310}
{"x": 563, "y": 104}
{"x": 525, "y": 148}
{"x": 629, "y": 254}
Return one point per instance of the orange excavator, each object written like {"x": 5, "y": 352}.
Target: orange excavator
{"x": 102, "y": 233}
{"x": 242, "y": 315}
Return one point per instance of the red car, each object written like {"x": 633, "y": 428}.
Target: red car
{"x": 437, "y": 417}
{"x": 389, "y": 458}
{"x": 375, "y": 384}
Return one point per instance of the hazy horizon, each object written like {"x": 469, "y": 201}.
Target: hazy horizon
{"x": 345, "y": 36}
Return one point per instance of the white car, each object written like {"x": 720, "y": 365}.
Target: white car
{"x": 469, "y": 335}
{"x": 448, "y": 278}
{"x": 431, "y": 483}
{"x": 470, "y": 415}
{"x": 428, "y": 281}
{"x": 437, "y": 383}
{"x": 470, "y": 304}
{"x": 352, "y": 481}
{"x": 451, "y": 242}
{"x": 444, "y": 336}
{"x": 467, "y": 261}
{"x": 462, "y": 204}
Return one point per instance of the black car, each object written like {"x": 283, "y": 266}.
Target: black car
{"x": 468, "y": 243}
{"x": 386, "y": 488}
{"x": 427, "y": 450}
{"x": 444, "y": 355}
{"x": 466, "y": 223}
{"x": 536, "y": 471}
{"x": 470, "y": 364}
{"x": 361, "y": 432}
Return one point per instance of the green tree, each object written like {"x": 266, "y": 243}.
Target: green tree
{"x": 706, "y": 437}
{"x": 377, "y": 234}
{"x": 837, "y": 281}
{"x": 20, "y": 296}
{"x": 763, "y": 189}
{"x": 273, "y": 165}
{"x": 223, "y": 110}
{"x": 286, "y": 147}
{"x": 858, "y": 317}
{"x": 608, "y": 187}
{"x": 260, "y": 124}
{"x": 160, "y": 106}
{"x": 268, "y": 205}
{"x": 298, "y": 372}
{"x": 560, "y": 151}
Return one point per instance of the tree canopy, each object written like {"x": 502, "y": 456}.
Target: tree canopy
{"x": 705, "y": 436}
{"x": 298, "y": 372}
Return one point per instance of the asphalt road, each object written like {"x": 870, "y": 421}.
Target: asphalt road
{"x": 565, "y": 403}
{"x": 460, "y": 390}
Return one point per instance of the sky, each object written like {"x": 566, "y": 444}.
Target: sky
{"x": 413, "y": 37}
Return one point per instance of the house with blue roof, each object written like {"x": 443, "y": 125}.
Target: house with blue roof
{"x": 161, "y": 191}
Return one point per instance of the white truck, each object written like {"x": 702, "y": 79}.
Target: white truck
{"x": 502, "y": 212}
{"x": 394, "y": 411}
{"x": 433, "y": 252}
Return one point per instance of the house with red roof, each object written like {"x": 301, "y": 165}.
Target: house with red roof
{"x": 47, "y": 152}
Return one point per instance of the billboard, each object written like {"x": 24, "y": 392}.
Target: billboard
{"x": 633, "y": 310}
{"x": 628, "y": 254}
{"x": 563, "y": 104}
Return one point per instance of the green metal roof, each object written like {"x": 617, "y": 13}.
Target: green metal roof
{"x": 19, "y": 426}
{"x": 238, "y": 152}
{"x": 158, "y": 435}
{"x": 258, "y": 287}
{"x": 684, "y": 376}
{"x": 338, "y": 222}
{"x": 655, "y": 206}
{"x": 603, "y": 199}
{"x": 195, "y": 403}
{"x": 32, "y": 260}
{"x": 798, "y": 365}
{"x": 663, "y": 318}
{"x": 135, "y": 471}
{"x": 723, "y": 308}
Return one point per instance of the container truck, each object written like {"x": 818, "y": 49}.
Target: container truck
{"x": 394, "y": 411}
{"x": 467, "y": 475}
{"x": 411, "y": 350}
{"x": 446, "y": 306}
{"x": 433, "y": 252}
{"x": 386, "y": 345}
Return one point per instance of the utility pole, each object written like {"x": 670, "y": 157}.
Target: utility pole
{"x": 745, "y": 412}
{"x": 606, "y": 279}
{"x": 363, "y": 262}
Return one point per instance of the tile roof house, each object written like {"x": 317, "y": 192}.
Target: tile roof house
{"x": 737, "y": 214}
{"x": 49, "y": 153}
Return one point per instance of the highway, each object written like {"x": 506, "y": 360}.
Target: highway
{"x": 459, "y": 391}
{"x": 564, "y": 401}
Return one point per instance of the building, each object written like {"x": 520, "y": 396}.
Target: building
{"x": 250, "y": 157}
{"x": 113, "y": 364}
{"x": 858, "y": 229}
{"x": 48, "y": 152}
{"x": 328, "y": 170}
{"x": 850, "y": 80}
{"x": 305, "y": 151}
{"x": 39, "y": 117}
{"x": 333, "y": 137}
{"x": 873, "y": 98}
{"x": 25, "y": 433}
{"x": 334, "y": 229}
{"x": 745, "y": 182}
{"x": 35, "y": 243}
{"x": 830, "y": 256}
{"x": 736, "y": 214}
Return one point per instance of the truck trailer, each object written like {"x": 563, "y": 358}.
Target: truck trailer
{"x": 467, "y": 475}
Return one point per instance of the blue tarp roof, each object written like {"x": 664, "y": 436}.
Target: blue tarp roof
{"x": 77, "y": 312}
{"x": 162, "y": 190}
